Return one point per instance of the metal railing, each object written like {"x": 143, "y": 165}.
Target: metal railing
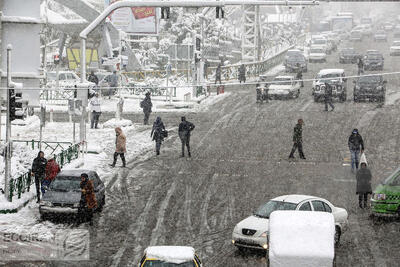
{"x": 45, "y": 144}
{"x": 22, "y": 184}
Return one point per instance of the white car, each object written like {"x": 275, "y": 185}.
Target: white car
{"x": 322, "y": 42}
{"x": 395, "y": 48}
{"x": 252, "y": 232}
{"x": 335, "y": 78}
{"x": 317, "y": 53}
{"x": 66, "y": 80}
{"x": 284, "y": 87}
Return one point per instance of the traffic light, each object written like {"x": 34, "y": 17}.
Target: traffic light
{"x": 165, "y": 13}
{"x": 219, "y": 11}
{"x": 198, "y": 43}
{"x": 16, "y": 111}
{"x": 56, "y": 58}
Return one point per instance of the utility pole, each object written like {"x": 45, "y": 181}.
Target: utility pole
{"x": 7, "y": 157}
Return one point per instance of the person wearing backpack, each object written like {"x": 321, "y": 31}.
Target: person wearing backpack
{"x": 158, "y": 133}
{"x": 185, "y": 128}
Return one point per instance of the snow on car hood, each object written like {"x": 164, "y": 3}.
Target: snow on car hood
{"x": 255, "y": 223}
{"x": 317, "y": 55}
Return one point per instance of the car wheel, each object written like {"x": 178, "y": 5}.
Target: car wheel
{"x": 102, "y": 203}
{"x": 338, "y": 233}
{"x": 298, "y": 93}
{"x": 315, "y": 99}
{"x": 343, "y": 98}
{"x": 355, "y": 98}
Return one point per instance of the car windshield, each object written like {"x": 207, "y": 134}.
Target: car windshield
{"x": 370, "y": 79}
{"x": 51, "y": 76}
{"x": 157, "y": 263}
{"x": 319, "y": 41}
{"x": 316, "y": 50}
{"x": 374, "y": 56}
{"x": 282, "y": 81}
{"x": 265, "y": 210}
{"x": 297, "y": 58}
{"x": 348, "y": 51}
{"x": 329, "y": 75}
{"x": 393, "y": 180}
{"x": 65, "y": 184}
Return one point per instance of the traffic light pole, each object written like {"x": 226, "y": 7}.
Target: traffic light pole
{"x": 7, "y": 158}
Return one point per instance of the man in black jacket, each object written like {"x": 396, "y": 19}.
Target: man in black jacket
{"x": 185, "y": 128}
{"x": 356, "y": 144}
{"x": 93, "y": 78}
{"x": 146, "y": 105}
{"x": 298, "y": 140}
{"x": 328, "y": 97}
{"x": 39, "y": 171}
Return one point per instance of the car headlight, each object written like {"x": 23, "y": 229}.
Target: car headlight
{"x": 46, "y": 203}
{"x": 379, "y": 88}
{"x": 379, "y": 196}
{"x": 76, "y": 205}
{"x": 265, "y": 234}
{"x": 317, "y": 88}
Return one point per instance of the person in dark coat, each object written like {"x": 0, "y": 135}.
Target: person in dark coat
{"x": 242, "y": 73}
{"x": 299, "y": 75}
{"x": 356, "y": 145}
{"x": 88, "y": 202}
{"x": 206, "y": 65}
{"x": 298, "y": 140}
{"x": 158, "y": 133}
{"x": 93, "y": 78}
{"x": 360, "y": 65}
{"x": 364, "y": 177}
{"x": 328, "y": 97}
{"x": 146, "y": 105}
{"x": 218, "y": 74}
{"x": 39, "y": 171}
{"x": 185, "y": 128}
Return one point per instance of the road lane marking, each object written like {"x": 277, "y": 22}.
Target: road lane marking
{"x": 306, "y": 106}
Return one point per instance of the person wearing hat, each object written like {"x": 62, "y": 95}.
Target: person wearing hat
{"x": 95, "y": 108}
{"x": 298, "y": 140}
{"x": 120, "y": 147}
{"x": 146, "y": 105}
{"x": 363, "y": 177}
{"x": 185, "y": 128}
{"x": 157, "y": 133}
{"x": 88, "y": 202}
{"x": 328, "y": 97}
{"x": 356, "y": 145}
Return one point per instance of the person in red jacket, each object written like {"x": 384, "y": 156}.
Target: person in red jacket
{"x": 52, "y": 169}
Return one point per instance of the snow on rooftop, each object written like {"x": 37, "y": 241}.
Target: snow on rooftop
{"x": 301, "y": 238}
{"x": 171, "y": 254}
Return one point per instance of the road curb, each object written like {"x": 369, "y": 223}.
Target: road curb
{"x": 15, "y": 210}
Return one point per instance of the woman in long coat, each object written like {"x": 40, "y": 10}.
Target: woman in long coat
{"x": 364, "y": 177}
{"x": 120, "y": 147}
{"x": 88, "y": 201}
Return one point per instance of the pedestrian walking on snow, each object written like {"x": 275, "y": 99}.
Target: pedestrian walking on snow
{"x": 93, "y": 78}
{"x": 52, "y": 169}
{"x": 120, "y": 147}
{"x": 39, "y": 172}
{"x": 356, "y": 145}
{"x": 205, "y": 69}
{"x": 218, "y": 74}
{"x": 146, "y": 105}
{"x": 298, "y": 140}
{"x": 299, "y": 75}
{"x": 328, "y": 97}
{"x": 360, "y": 65}
{"x": 95, "y": 109}
{"x": 242, "y": 73}
{"x": 185, "y": 128}
{"x": 113, "y": 83}
{"x": 364, "y": 177}
{"x": 158, "y": 133}
{"x": 88, "y": 202}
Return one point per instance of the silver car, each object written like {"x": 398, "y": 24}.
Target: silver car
{"x": 63, "y": 195}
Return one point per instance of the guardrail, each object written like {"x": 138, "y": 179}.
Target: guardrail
{"x": 22, "y": 184}
{"x": 52, "y": 145}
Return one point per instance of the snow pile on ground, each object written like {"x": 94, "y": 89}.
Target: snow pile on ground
{"x": 171, "y": 254}
{"x": 113, "y": 123}
{"x": 301, "y": 238}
